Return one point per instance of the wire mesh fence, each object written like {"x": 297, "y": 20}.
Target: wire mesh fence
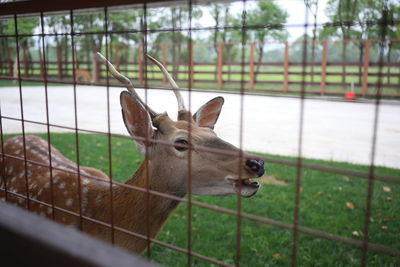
{"x": 48, "y": 48}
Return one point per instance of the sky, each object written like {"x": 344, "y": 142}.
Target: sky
{"x": 296, "y": 10}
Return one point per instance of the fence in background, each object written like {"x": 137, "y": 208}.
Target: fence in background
{"x": 222, "y": 71}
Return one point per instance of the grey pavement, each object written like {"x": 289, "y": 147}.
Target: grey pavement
{"x": 331, "y": 130}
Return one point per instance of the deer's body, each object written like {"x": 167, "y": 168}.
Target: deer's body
{"x": 166, "y": 145}
{"x": 83, "y": 75}
{"x": 129, "y": 205}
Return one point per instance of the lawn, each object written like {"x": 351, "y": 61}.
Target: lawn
{"x": 329, "y": 202}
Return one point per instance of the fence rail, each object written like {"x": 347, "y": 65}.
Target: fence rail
{"x": 323, "y": 75}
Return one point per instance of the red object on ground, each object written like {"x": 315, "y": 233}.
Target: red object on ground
{"x": 349, "y": 95}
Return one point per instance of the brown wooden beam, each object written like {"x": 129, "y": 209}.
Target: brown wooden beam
{"x": 116, "y": 57}
{"x": 251, "y": 66}
{"x": 323, "y": 66}
{"x": 219, "y": 64}
{"x": 191, "y": 64}
{"x": 164, "y": 60}
{"x": 286, "y": 68}
{"x": 364, "y": 85}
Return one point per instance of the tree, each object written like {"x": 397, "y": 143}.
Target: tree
{"x": 301, "y": 46}
{"x": 270, "y": 15}
{"x": 223, "y": 18}
{"x": 312, "y": 5}
{"x": 25, "y": 27}
{"x": 354, "y": 19}
{"x": 59, "y": 24}
{"x": 4, "y": 47}
{"x": 393, "y": 32}
{"x": 89, "y": 44}
{"x": 179, "y": 19}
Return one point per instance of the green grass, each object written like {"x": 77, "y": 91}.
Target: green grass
{"x": 324, "y": 206}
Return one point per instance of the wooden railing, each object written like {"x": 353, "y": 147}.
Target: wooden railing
{"x": 286, "y": 76}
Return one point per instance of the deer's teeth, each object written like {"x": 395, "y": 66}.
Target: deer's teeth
{"x": 243, "y": 182}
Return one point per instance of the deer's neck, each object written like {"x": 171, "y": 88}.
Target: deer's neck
{"x": 141, "y": 212}
{"x": 157, "y": 180}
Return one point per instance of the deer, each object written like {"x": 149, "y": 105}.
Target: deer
{"x": 83, "y": 75}
{"x": 165, "y": 144}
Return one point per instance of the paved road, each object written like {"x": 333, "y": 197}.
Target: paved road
{"x": 332, "y": 130}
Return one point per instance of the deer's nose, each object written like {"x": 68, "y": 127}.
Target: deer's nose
{"x": 256, "y": 165}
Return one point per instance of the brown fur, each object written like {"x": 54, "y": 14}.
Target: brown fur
{"x": 165, "y": 170}
{"x": 83, "y": 75}
{"x": 129, "y": 208}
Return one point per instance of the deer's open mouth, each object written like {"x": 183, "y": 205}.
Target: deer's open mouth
{"x": 245, "y": 187}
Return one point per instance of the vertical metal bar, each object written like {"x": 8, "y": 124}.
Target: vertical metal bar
{"x": 286, "y": 68}
{"x": 47, "y": 118}
{"x": 110, "y": 173}
{"x": 323, "y": 66}
{"x": 378, "y": 96}
{"x": 242, "y": 85}
{"x": 189, "y": 203}
{"x": 144, "y": 75}
{"x": 28, "y": 201}
{"x": 295, "y": 235}
{"x": 76, "y": 120}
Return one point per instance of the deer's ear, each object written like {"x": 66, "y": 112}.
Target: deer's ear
{"x": 136, "y": 118}
{"x": 208, "y": 114}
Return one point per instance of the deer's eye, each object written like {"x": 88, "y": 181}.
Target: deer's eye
{"x": 181, "y": 145}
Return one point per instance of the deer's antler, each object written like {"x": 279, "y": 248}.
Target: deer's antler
{"x": 125, "y": 81}
{"x": 175, "y": 87}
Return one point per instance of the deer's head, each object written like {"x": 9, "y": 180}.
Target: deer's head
{"x": 217, "y": 167}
